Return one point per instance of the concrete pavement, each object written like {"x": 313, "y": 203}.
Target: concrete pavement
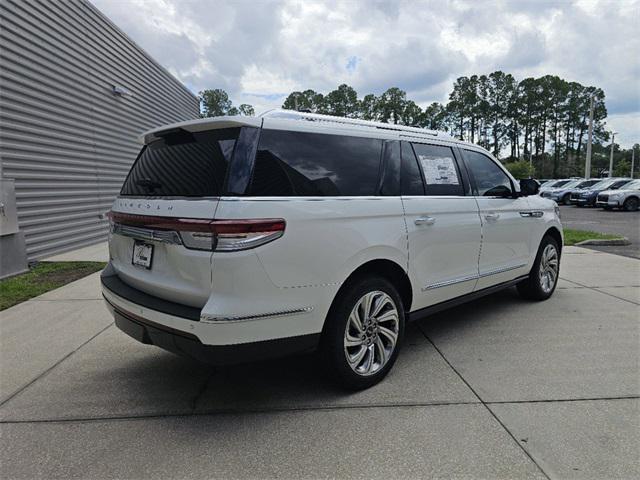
{"x": 498, "y": 388}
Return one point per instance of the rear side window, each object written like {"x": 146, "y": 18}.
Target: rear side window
{"x": 183, "y": 164}
{"x": 312, "y": 164}
{"x": 439, "y": 169}
{"x": 410, "y": 179}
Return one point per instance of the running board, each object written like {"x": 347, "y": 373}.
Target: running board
{"x": 454, "y": 302}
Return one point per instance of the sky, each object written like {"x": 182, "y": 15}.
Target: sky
{"x": 260, "y": 50}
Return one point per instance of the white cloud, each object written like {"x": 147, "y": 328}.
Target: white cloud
{"x": 258, "y": 50}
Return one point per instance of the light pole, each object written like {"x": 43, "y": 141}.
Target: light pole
{"x": 613, "y": 137}
{"x": 633, "y": 158}
{"x": 587, "y": 162}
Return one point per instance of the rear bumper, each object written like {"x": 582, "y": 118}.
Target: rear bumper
{"x": 177, "y": 328}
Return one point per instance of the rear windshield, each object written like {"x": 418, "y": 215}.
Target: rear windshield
{"x": 183, "y": 164}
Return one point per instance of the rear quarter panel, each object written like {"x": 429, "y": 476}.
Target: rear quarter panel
{"x": 325, "y": 238}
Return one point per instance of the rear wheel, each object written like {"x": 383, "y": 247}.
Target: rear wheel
{"x": 543, "y": 277}
{"x": 566, "y": 200}
{"x": 364, "y": 333}
{"x": 631, "y": 204}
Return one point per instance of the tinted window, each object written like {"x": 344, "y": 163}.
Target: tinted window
{"x": 311, "y": 164}
{"x": 390, "y": 181}
{"x": 183, "y": 164}
{"x": 586, "y": 183}
{"x": 490, "y": 180}
{"x": 439, "y": 169}
{"x": 618, "y": 184}
{"x": 411, "y": 179}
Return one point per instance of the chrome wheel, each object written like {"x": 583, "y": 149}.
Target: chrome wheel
{"x": 371, "y": 334}
{"x": 548, "y": 268}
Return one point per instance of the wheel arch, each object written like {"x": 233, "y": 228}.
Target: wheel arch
{"x": 387, "y": 269}
{"x": 554, "y": 233}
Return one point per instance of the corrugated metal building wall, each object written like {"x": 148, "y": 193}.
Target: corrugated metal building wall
{"x": 65, "y": 137}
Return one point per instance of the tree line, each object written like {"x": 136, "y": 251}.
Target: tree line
{"x": 541, "y": 121}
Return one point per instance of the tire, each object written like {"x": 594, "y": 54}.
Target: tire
{"x": 631, "y": 204}
{"x": 543, "y": 278}
{"x": 608, "y": 208}
{"x": 566, "y": 200}
{"x": 365, "y": 369}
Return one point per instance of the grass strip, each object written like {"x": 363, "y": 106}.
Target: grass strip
{"x": 41, "y": 278}
{"x": 571, "y": 237}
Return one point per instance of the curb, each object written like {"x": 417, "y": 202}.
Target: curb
{"x": 603, "y": 243}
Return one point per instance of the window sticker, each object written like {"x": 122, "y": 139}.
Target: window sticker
{"x": 439, "y": 170}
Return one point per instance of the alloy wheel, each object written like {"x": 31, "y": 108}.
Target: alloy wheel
{"x": 371, "y": 333}
{"x": 549, "y": 264}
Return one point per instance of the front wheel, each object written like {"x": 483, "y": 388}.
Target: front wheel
{"x": 566, "y": 200}
{"x": 543, "y": 277}
{"x": 630, "y": 204}
{"x": 363, "y": 333}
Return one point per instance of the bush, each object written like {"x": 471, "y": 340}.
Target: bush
{"x": 520, "y": 169}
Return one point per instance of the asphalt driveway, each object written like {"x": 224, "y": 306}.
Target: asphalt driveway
{"x": 626, "y": 224}
{"x": 499, "y": 388}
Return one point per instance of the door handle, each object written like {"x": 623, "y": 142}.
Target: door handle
{"x": 492, "y": 216}
{"x": 425, "y": 221}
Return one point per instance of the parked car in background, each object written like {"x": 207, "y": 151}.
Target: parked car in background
{"x": 549, "y": 184}
{"x": 627, "y": 197}
{"x": 562, "y": 194}
{"x": 235, "y": 239}
{"x": 587, "y": 197}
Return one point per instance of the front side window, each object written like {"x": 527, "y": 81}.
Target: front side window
{"x": 439, "y": 169}
{"x": 183, "y": 164}
{"x": 490, "y": 179}
{"x": 312, "y": 164}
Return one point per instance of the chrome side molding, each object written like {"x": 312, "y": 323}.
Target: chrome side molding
{"x": 533, "y": 213}
{"x": 467, "y": 278}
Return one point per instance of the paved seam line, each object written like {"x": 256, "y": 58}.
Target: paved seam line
{"x": 204, "y": 413}
{"x": 561, "y": 400}
{"x": 600, "y": 291}
{"x": 519, "y": 444}
{"x": 231, "y": 411}
{"x": 64, "y": 299}
{"x": 202, "y": 390}
{"x": 20, "y": 390}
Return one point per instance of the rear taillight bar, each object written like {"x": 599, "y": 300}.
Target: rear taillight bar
{"x": 206, "y": 234}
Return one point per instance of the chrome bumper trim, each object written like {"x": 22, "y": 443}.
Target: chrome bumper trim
{"x": 244, "y": 318}
{"x": 164, "y": 236}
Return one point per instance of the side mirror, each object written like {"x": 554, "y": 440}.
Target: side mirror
{"x": 529, "y": 186}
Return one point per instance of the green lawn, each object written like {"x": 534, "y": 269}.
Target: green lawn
{"x": 41, "y": 278}
{"x": 571, "y": 237}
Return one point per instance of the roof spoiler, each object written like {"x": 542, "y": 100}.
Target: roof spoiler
{"x": 199, "y": 125}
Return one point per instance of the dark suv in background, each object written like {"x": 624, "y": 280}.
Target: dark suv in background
{"x": 587, "y": 197}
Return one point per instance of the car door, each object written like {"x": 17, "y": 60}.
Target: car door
{"x": 507, "y": 221}
{"x": 443, "y": 225}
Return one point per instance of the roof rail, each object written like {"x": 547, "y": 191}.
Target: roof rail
{"x": 316, "y": 117}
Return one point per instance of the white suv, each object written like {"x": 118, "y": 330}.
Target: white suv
{"x": 239, "y": 238}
